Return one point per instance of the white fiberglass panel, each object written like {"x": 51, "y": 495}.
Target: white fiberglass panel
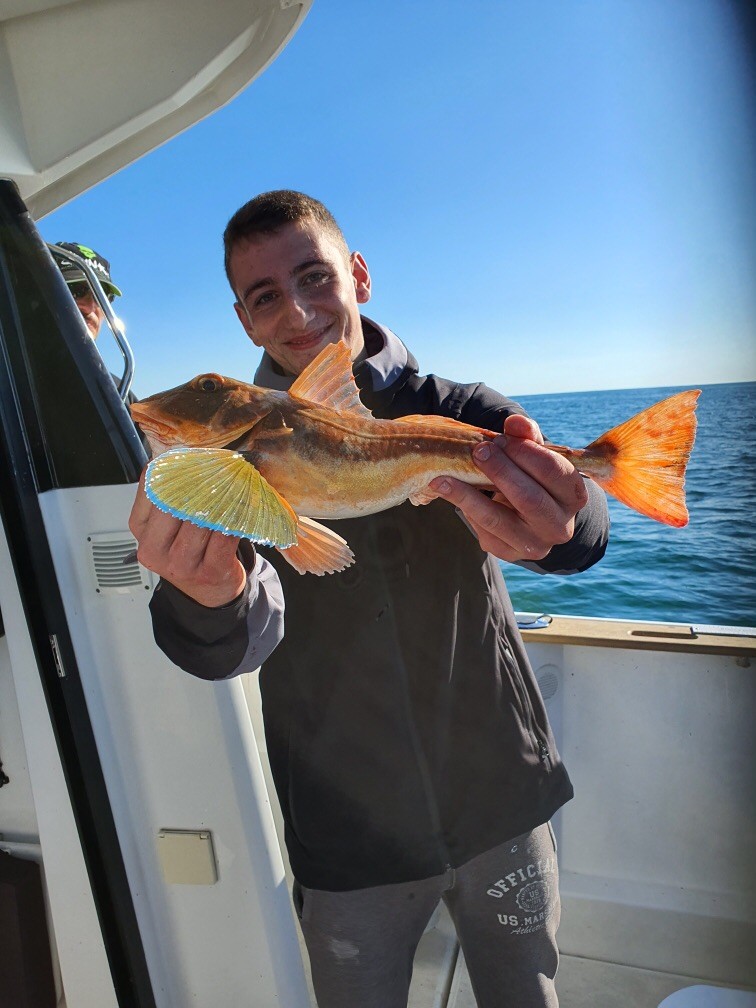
{"x": 656, "y": 849}
{"x": 80, "y": 950}
{"x": 88, "y": 87}
{"x": 18, "y": 821}
{"x": 177, "y": 753}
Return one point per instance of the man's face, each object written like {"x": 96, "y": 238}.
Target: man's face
{"x": 297, "y": 293}
{"x": 89, "y": 307}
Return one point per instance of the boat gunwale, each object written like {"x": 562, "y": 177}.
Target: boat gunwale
{"x": 636, "y": 635}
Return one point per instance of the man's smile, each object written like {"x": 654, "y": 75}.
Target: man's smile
{"x": 309, "y": 339}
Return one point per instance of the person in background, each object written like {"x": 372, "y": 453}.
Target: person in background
{"x": 409, "y": 742}
{"x": 86, "y": 302}
{"x": 78, "y": 284}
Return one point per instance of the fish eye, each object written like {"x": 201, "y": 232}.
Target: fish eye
{"x": 209, "y": 383}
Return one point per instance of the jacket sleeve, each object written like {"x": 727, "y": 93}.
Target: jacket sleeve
{"x": 487, "y": 408}
{"x": 223, "y": 642}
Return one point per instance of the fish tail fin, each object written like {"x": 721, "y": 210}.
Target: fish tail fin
{"x": 642, "y": 461}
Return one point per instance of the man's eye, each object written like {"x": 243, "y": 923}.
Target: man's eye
{"x": 263, "y": 299}
{"x": 316, "y": 277}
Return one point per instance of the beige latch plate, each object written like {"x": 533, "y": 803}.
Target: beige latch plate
{"x": 187, "y": 857}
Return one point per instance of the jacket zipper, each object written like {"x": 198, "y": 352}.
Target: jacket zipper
{"x": 538, "y": 744}
{"x": 430, "y": 797}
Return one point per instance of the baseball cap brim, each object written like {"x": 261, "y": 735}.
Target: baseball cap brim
{"x": 108, "y": 286}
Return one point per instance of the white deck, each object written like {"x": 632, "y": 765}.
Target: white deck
{"x": 581, "y": 983}
{"x": 440, "y": 978}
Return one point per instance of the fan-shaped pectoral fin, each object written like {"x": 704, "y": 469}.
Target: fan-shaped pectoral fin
{"x": 219, "y": 489}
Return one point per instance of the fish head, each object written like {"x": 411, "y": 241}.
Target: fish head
{"x": 210, "y": 411}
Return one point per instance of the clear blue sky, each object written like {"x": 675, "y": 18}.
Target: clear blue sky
{"x": 555, "y": 195}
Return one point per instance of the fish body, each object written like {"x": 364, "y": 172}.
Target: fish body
{"x": 333, "y": 465}
{"x": 267, "y": 464}
{"x": 327, "y": 464}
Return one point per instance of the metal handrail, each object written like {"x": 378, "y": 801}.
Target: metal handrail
{"x": 124, "y": 386}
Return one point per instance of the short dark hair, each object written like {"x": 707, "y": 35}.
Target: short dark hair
{"x": 269, "y": 212}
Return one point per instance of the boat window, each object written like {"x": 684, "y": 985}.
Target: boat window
{"x": 78, "y": 431}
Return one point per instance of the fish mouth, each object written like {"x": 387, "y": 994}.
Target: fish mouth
{"x": 150, "y": 425}
{"x": 175, "y": 436}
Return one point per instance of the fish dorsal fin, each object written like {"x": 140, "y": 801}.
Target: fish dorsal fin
{"x": 329, "y": 381}
{"x": 426, "y": 420}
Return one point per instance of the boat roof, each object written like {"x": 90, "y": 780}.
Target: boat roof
{"x": 89, "y": 86}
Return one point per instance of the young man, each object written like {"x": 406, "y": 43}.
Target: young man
{"x": 78, "y": 284}
{"x": 408, "y": 740}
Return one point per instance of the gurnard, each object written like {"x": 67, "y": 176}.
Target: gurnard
{"x": 264, "y": 464}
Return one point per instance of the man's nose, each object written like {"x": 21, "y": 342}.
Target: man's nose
{"x": 297, "y": 309}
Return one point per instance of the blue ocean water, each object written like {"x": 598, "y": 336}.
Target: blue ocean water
{"x": 704, "y": 573}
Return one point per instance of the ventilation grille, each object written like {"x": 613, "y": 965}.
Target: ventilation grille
{"x": 115, "y": 565}
{"x": 547, "y": 677}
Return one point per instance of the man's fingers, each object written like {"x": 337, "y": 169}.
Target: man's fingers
{"x": 537, "y": 481}
{"x": 527, "y": 495}
{"x": 223, "y": 564}
{"x": 189, "y": 546}
{"x": 153, "y": 530}
{"x": 455, "y": 491}
{"x": 523, "y": 427}
{"x": 486, "y": 515}
{"x": 511, "y": 540}
{"x": 499, "y": 529}
{"x": 221, "y": 549}
{"x": 198, "y": 561}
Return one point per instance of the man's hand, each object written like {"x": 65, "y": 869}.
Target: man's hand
{"x": 538, "y": 494}
{"x": 201, "y": 563}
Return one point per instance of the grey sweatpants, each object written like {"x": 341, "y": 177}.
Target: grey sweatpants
{"x": 505, "y": 907}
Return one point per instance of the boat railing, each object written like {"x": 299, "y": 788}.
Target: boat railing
{"x": 114, "y": 324}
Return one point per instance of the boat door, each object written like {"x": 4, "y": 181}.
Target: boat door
{"x": 143, "y": 797}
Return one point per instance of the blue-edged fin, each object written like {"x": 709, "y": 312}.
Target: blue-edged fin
{"x": 219, "y": 489}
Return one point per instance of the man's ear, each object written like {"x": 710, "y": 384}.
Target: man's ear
{"x": 361, "y": 277}
{"x": 241, "y": 314}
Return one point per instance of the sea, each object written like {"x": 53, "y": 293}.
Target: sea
{"x": 704, "y": 573}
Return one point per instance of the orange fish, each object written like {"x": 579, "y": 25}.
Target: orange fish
{"x": 264, "y": 464}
